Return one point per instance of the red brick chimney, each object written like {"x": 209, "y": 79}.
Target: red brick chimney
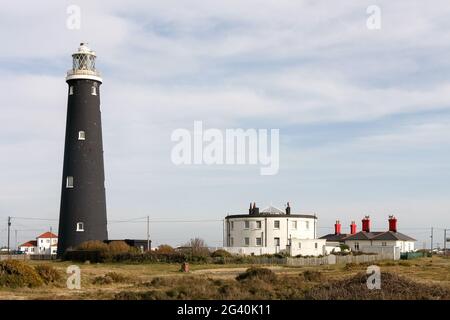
{"x": 337, "y": 227}
{"x": 392, "y": 223}
{"x": 366, "y": 224}
{"x": 353, "y": 227}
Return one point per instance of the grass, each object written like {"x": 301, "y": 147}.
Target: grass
{"x": 212, "y": 281}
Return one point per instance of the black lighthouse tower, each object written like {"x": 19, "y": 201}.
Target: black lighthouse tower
{"x": 83, "y": 203}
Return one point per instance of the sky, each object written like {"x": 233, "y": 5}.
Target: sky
{"x": 364, "y": 115}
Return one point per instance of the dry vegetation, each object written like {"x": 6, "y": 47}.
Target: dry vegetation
{"x": 425, "y": 278}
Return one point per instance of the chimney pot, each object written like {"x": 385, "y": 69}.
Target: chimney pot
{"x": 353, "y": 227}
{"x": 392, "y": 223}
{"x": 337, "y": 227}
{"x": 366, "y": 224}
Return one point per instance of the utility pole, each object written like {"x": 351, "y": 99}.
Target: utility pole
{"x": 15, "y": 238}
{"x": 9, "y": 233}
{"x": 445, "y": 242}
{"x": 431, "y": 240}
{"x": 148, "y": 233}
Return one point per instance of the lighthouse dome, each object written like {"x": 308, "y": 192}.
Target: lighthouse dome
{"x": 83, "y": 65}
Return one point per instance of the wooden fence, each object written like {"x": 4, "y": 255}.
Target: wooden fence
{"x": 318, "y": 261}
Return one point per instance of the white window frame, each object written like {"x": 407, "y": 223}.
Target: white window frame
{"x": 258, "y": 239}
{"x": 277, "y": 241}
{"x": 93, "y": 91}
{"x": 258, "y": 224}
{"x": 81, "y": 135}
{"x": 69, "y": 182}
{"x": 80, "y": 227}
{"x": 247, "y": 241}
{"x": 275, "y": 224}
{"x": 70, "y": 90}
{"x": 246, "y": 224}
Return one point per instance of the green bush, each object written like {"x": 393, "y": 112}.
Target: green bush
{"x": 16, "y": 274}
{"x": 252, "y": 273}
{"x": 48, "y": 273}
{"x": 221, "y": 254}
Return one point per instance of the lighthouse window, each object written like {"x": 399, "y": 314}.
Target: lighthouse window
{"x": 69, "y": 182}
{"x": 71, "y": 90}
{"x": 94, "y": 91}
{"x": 80, "y": 226}
{"x": 81, "y": 135}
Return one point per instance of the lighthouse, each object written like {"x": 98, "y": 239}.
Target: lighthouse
{"x": 83, "y": 202}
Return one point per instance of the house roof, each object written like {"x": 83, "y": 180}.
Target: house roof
{"x": 32, "y": 243}
{"x": 383, "y": 235}
{"x": 335, "y": 237}
{"x": 272, "y": 210}
{"x": 390, "y": 235}
{"x": 48, "y": 235}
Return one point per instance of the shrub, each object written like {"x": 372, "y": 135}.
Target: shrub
{"x": 115, "y": 247}
{"x": 110, "y": 277}
{"x": 148, "y": 295}
{"x": 48, "y": 273}
{"x": 312, "y": 275}
{"x": 165, "y": 249}
{"x": 15, "y": 274}
{"x": 351, "y": 266}
{"x": 393, "y": 287}
{"x": 93, "y": 245}
{"x": 85, "y": 255}
{"x": 221, "y": 254}
{"x": 196, "y": 247}
{"x": 263, "y": 274}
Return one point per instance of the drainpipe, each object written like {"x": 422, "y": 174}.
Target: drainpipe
{"x": 265, "y": 227}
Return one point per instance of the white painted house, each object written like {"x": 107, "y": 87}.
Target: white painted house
{"x": 390, "y": 241}
{"x": 270, "y": 231}
{"x": 46, "y": 243}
